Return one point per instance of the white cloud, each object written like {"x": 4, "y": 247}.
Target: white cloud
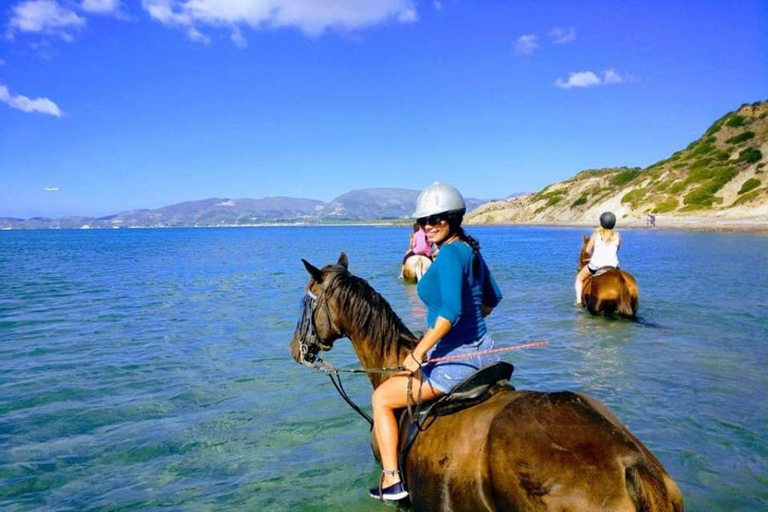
{"x": 527, "y": 44}
{"x": 19, "y": 102}
{"x": 561, "y": 35}
{"x": 590, "y": 79}
{"x": 612, "y": 77}
{"x": 438, "y": 5}
{"x": 100, "y": 6}
{"x": 44, "y": 16}
{"x": 51, "y": 189}
{"x": 309, "y": 16}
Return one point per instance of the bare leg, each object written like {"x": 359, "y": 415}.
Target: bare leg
{"x": 579, "y": 284}
{"x": 389, "y": 396}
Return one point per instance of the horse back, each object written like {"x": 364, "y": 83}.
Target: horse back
{"x": 535, "y": 451}
{"x": 567, "y": 451}
{"x": 612, "y": 291}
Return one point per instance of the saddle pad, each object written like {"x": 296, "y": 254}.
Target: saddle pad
{"x": 476, "y": 389}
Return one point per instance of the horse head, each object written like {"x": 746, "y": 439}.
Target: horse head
{"x": 316, "y": 330}
{"x": 583, "y": 256}
{"x": 337, "y": 305}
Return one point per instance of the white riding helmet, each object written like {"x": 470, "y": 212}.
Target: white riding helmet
{"x": 439, "y": 198}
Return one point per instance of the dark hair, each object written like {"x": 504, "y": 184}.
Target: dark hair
{"x": 454, "y": 226}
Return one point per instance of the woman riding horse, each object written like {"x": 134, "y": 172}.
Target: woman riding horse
{"x": 418, "y": 258}
{"x": 603, "y": 251}
{"x": 522, "y": 451}
{"x": 459, "y": 291}
{"x": 600, "y": 285}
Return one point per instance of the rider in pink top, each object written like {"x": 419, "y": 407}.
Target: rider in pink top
{"x": 419, "y": 244}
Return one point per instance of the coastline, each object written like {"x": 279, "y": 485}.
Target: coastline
{"x": 755, "y": 225}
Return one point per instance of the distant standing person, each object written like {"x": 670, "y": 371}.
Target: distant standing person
{"x": 603, "y": 249}
{"x": 419, "y": 243}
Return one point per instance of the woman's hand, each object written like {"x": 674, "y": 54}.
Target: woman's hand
{"x": 412, "y": 363}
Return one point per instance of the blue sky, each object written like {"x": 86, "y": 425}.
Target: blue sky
{"x": 111, "y": 105}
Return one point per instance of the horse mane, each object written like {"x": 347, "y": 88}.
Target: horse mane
{"x": 367, "y": 312}
{"x": 583, "y": 258}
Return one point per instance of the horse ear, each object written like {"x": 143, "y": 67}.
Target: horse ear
{"x": 315, "y": 272}
{"x": 343, "y": 260}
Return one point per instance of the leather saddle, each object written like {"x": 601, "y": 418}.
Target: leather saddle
{"x": 603, "y": 270}
{"x": 476, "y": 389}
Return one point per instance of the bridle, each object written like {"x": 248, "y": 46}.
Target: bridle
{"x": 308, "y": 336}
{"x": 306, "y": 326}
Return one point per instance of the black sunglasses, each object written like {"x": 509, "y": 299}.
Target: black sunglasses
{"x": 432, "y": 220}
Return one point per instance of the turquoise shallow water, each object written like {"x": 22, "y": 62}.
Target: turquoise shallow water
{"x": 149, "y": 369}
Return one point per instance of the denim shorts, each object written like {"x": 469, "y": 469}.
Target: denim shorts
{"x": 444, "y": 376}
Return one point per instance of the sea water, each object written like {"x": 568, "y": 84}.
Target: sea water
{"x": 149, "y": 369}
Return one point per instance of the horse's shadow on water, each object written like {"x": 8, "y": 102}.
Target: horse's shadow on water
{"x": 637, "y": 320}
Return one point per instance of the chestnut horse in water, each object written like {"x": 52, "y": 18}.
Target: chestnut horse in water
{"x": 522, "y": 451}
{"x": 415, "y": 266}
{"x": 609, "y": 291}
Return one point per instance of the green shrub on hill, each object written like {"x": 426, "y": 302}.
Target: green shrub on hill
{"x": 720, "y": 173}
{"x": 625, "y": 177}
{"x": 749, "y": 196}
{"x": 581, "y": 200}
{"x": 703, "y": 196}
{"x": 737, "y": 139}
{"x": 750, "y": 155}
{"x": 735, "y": 121}
{"x": 700, "y": 197}
{"x": 634, "y": 197}
{"x": 667, "y": 205}
{"x": 677, "y": 187}
{"x": 748, "y": 185}
{"x": 552, "y": 198}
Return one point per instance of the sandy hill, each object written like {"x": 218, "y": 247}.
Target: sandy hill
{"x": 718, "y": 180}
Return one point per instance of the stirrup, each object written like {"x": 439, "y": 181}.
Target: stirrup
{"x": 394, "y": 492}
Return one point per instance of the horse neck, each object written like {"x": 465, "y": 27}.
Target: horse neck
{"x": 583, "y": 259}
{"x": 385, "y": 347}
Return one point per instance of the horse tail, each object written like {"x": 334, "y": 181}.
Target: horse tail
{"x": 628, "y": 296}
{"x": 650, "y": 491}
{"x": 419, "y": 270}
{"x": 422, "y": 266}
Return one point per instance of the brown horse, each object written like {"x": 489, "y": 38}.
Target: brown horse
{"x": 609, "y": 291}
{"x": 414, "y": 267}
{"x": 522, "y": 451}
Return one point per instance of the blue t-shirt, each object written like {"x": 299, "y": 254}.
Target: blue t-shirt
{"x": 454, "y": 290}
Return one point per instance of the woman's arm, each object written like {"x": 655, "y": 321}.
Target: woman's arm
{"x": 434, "y": 334}
{"x": 491, "y": 292}
{"x": 590, "y": 245}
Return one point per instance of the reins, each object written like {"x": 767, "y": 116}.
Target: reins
{"x": 335, "y": 374}
{"x": 308, "y": 334}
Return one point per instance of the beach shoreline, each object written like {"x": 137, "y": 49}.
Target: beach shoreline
{"x": 756, "y": 225}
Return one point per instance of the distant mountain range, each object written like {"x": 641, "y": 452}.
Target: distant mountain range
{"x": 372, "y": 204}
